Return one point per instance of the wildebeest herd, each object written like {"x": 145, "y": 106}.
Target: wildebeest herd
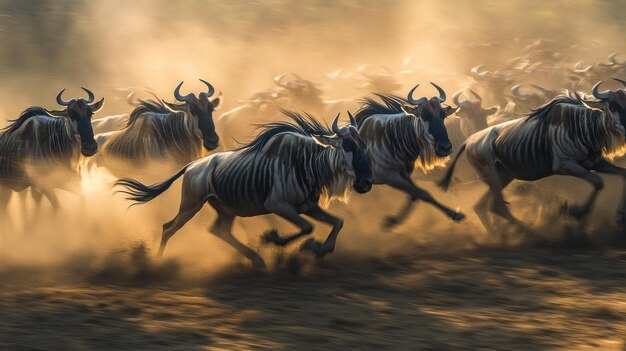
{"x": 297, "y": 164}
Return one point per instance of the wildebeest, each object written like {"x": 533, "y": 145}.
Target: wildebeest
{"x": 530, "y": 100}
{"x": 261, "y": 106}
{"x": 158, "y": 130}
{"x": 297, "y": 94}
{"x": 570, "y": 135}
{"x": 469, "y": 118}
{"x": 582, "y": 75}
{"x": 494, "y": 83}
{"x": 41, "y": 148}
{"x": 288, "y": 169}
{"x": 116, "y": 122}
{"x": 400, "y": 134}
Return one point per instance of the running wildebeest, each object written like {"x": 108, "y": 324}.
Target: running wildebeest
{"x": 469, "y": 118}
{"x": 158, "y": 130}
{"x": 41, "y": 148}
{"x": 288, "y": 169}
{"x": 400, "y": 134}
{"x": 570, "y": 135}
{"x": 117, "y": 122}
{"x": 296, "y": 94}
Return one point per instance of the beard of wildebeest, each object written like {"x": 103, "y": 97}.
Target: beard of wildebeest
{"x": 81, "y": 113}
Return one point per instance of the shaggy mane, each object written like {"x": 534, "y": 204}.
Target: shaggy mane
{"x": 392, "y": 104}
{"x": 28, "y": 114}
{"x": 306, "y": 125}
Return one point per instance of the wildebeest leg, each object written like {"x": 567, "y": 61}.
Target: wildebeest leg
{"x": 52, "y": 197}
{"x": 5, "y": 197}
{"x": 188, "y": 208}
{"x": 493, "y": 201}
{"x": 406, "y": 184}
{"x": 572, "y": 168}
{"x": 497, "y": 183}
{"x": 609, "y": 168}
{"x": 392, "y": 221}
{"x": 289, "y": 213}
{"x": 222, "y": 228}
{"x": 28, "y": 218}
{"x": 482, "y": 211}
{"x": 319, "y": 249}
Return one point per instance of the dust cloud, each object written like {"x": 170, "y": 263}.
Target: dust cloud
{"x": 113, "y": 47}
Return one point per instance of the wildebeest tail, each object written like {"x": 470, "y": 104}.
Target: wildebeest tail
{"x": 444, "y": 183}
{"x": 141, "y": 193}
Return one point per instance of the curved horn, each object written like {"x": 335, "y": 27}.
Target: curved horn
{"x": 211, "y": 90}
{"x": 621, "y": 81}
{"x": 352, "y": 120}
{"x": 336, "y": 124}
{"x": 90, "y": 96}
{"x": 130, "y": 99}
{"x": 411, "y": 100}
{"x": 278, "y": 81}
{"x": 542, "y": 90}
{"x": 476, "y": 96}
{"x": 600, "y": 95}
{"x": 60, "y": 99}
{"x": 186, "y": 98}
{"x": 579, "y": 67}
{"x": 475, "y": 71}
{"x": 515, "y": 90}
{"x": 442, "y": 93}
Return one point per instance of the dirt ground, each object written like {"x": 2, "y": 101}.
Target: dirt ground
{"x": 479, "y": 299}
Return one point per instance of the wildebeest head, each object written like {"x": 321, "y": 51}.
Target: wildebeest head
{"x": 496, "y": 79}
{"x": 615, "y": 101}
{"x": 532, "y": 100}
{"x": 432, "y": 111}
{"x": 348, "y": 141}
{"x": 297, "y": 88}
{"x": 473, "y": 111}
{"x": 200, "y": 107}
{"x": 79, "y": 111}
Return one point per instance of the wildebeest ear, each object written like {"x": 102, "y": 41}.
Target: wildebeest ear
{"x": 409, "y": 111}
{"x": 96, "y": 106}
{"x": 327, "y": 140}
{"x": 217, "y": 101}
{"x": 175, "y": 107}
{"x": 448, "y": 110}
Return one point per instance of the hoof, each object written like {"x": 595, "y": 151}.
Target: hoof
{"x": 258, "y": 262}
{"x": 271, "y": 237}
{"x": 315, "y": 247}
{"x": 390, "y": 222}
{"x": 458, "y": 216}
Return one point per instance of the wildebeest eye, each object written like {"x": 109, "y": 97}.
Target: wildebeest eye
{"x": 612, "y": 109}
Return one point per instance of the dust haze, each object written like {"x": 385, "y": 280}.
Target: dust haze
{"x": 87, "y": 276}
{"x": 114, "y": 47}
